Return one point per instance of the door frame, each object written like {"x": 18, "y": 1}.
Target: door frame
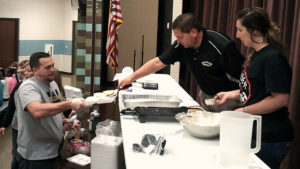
{"x": 16, "y": 20}
{"x": 164, "y": 32}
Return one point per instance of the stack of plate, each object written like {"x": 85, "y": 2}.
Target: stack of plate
{"x": 107, "y": 152}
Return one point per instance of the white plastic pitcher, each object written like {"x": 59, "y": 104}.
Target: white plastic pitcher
{"x": 235, "y": 137}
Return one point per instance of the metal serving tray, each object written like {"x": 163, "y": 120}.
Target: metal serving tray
{"x": 142, "y": 100}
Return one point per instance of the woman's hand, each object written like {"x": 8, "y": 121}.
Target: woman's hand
{"x": 239, "y": 109}
{"x": 221, "y": 97}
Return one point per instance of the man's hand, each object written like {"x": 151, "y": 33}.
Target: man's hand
{"x": 76, "y": 128}
{"x": 124, "y": 82}
{"x": 78, "y": 104}
{"x": 66, "y": 124}
{"x": 2, "y": 131}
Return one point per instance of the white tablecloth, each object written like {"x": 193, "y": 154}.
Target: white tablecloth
{"x": 182, "y": 151}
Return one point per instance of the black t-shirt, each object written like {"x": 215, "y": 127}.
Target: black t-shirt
{"x": 268, "y": 72}
{"x": 211, "y": 63}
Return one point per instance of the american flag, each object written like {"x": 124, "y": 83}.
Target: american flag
{"x": 115, "y": 21}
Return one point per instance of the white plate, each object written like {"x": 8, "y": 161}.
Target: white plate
{"x": 99, "y": 100}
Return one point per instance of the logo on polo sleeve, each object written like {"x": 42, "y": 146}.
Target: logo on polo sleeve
{"x": 207, "y": 63}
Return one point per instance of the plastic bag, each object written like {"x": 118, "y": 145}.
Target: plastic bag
{"x": 79, "y": 147}
{"x": 109, "y": 127}
{"x": 150, "y": 144}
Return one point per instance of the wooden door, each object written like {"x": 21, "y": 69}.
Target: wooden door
{"x": 9, "y": 31}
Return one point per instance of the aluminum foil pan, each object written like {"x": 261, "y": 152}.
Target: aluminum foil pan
{"x": 142, "y": 100}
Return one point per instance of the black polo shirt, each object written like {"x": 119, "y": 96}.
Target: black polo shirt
{"x": 211, "y": 63}
{"x": 269, "y": 72}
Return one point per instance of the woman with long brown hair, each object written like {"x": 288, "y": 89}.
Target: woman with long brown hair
{"x": 264, "y": 84}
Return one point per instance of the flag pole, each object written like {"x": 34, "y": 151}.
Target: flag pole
{"x": 142, "y": 50}
{"x": 108, "y": 25}
{"x": 134, "y": 54}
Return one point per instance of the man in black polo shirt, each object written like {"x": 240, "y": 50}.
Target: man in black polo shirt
{"x": 211, "y": 58}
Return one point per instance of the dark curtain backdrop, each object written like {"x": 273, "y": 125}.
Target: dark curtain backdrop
{"x": 220, "y": 15}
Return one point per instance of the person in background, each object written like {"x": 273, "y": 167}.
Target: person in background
{"x": 14, "y": 64}
{"x": 12, "y": 69}
{"x": 57, "y": 79}
{"x": 21, "y": 69}
{"x": 5, "y": 92}
{"x": 65, "y": 114}
{"x": 12, "y": 78}
{"x": 1, "y": 89}
{"x": 264, "y": 84}
{"x": 2, "y": 72}
{"x": 40, "y": 123}
{"x": 10, "y": 117}
{"x": 211, "y": 57}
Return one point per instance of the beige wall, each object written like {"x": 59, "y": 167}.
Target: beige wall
{"x": 140, "y": 18}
